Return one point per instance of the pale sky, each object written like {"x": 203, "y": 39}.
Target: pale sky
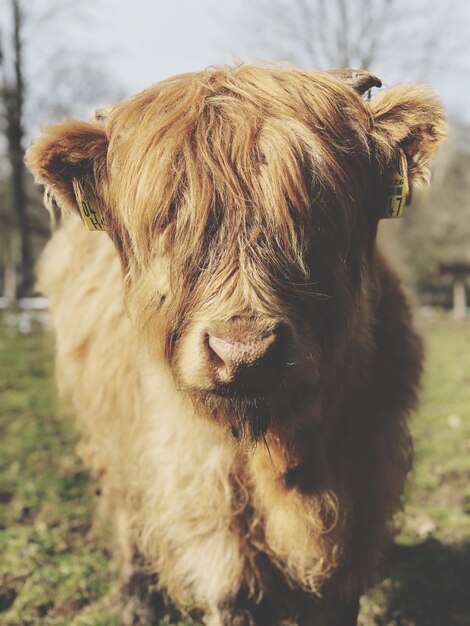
{"x": 142, "y": 41}
{"x": 150, "y": 40}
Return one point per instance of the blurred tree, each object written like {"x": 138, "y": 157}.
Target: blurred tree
{"x": 40, "y": 80}
{"x": 13, "y": 94}
{"x": 437, "y": 229}
{"x": 389, "y": 34}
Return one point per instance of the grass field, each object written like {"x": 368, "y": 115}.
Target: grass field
{"x": 54, "y": 566}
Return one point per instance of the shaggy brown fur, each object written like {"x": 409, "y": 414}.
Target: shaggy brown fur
{"x": 243, "y": 205}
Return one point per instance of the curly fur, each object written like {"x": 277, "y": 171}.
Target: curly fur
{"x": 240, "y": 198}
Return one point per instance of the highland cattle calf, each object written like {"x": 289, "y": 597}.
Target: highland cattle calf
{"x": 238, "y": 353}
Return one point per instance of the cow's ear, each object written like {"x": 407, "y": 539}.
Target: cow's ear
{"x": 70, "y": 159}
{"x": 408, "y": 120}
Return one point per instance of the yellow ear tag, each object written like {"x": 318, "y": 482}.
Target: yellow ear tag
{"x": 91, "y": 215}
{"x": 397, "y": 188}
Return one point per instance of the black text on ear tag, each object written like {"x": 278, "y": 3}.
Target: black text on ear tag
{"x": 90, "y": 212}
{"x": 397, "y": 188}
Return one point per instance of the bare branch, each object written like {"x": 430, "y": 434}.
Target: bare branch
{"x": 411, "y": 34}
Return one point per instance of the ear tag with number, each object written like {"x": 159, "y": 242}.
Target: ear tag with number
{"x": 397, "y": 188}
{"x": 91, "y": 214}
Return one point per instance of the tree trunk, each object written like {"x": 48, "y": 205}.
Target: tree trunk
{"x": 19, "y": 201}
{"x": 9, "y": 282}
{"x": 15, "y": 101}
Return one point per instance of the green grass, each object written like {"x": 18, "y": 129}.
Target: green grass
{"x": 426, "y": 576}
{"x": 54, "y": 566}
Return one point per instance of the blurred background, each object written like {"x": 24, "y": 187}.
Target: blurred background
{"x": 62, "y": 58}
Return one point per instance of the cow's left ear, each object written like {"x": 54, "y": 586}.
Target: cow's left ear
{"x": 408, "y": 119}
{"x": 70, "y": 159}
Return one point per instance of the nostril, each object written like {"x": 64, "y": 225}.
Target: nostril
{"x": 216, "y": 349}
{"x": 230, "y": 351}
{"x": 256, "y": 361}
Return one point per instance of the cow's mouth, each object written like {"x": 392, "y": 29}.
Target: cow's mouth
{"x": 250, "y": 414}
{"x": 240, "y": 391}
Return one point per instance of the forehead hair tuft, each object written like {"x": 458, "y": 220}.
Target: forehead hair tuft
{"x": 250, "y": 148}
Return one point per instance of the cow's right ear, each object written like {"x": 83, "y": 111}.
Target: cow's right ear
{"x": 70, "y": 159}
